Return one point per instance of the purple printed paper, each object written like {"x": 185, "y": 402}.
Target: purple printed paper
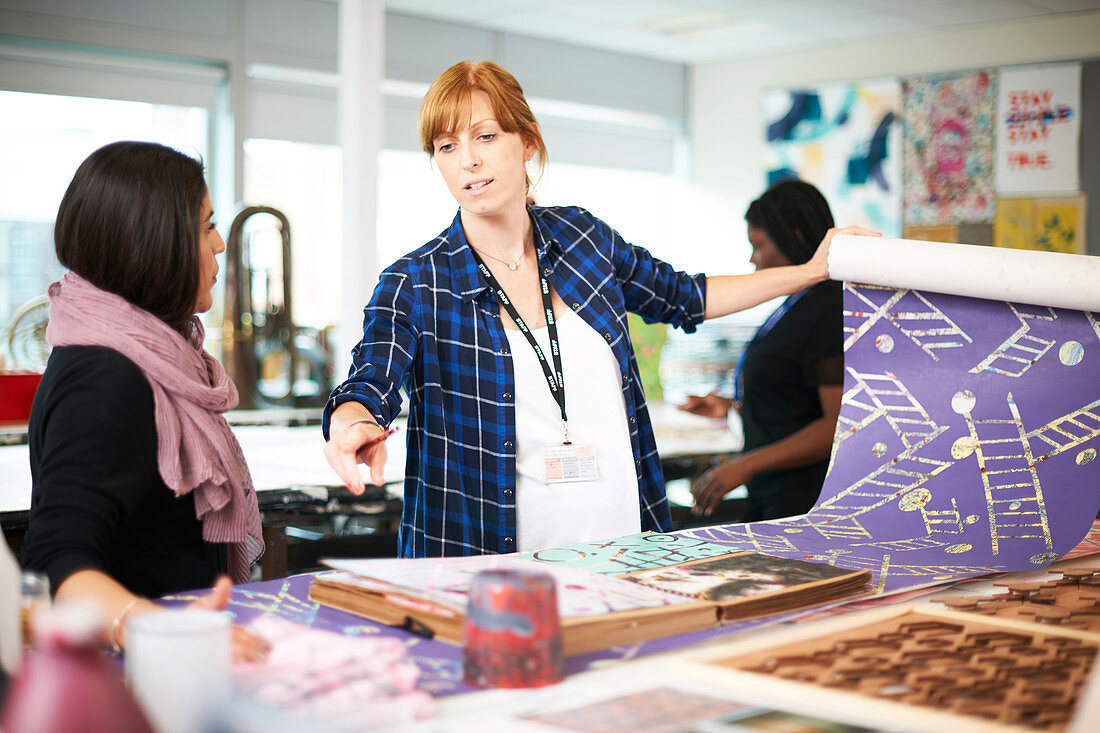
{"x": 965, "y": 445}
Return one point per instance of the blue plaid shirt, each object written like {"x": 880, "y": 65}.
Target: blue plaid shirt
{"x": 433, "y": 327}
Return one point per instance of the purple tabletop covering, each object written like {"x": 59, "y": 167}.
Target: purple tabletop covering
{"x": 965, "y": 446}
{"x": 440, "y": 662}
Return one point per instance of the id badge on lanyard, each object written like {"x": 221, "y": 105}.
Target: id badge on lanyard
{"x": 568, "y": 461}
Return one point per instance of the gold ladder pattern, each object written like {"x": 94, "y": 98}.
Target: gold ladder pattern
{"x": 1022, "y": 349}
{"x": 924, "y": 324}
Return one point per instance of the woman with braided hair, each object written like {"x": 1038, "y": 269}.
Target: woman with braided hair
{"x": 789, "y": 381}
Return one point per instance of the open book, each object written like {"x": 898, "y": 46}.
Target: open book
{"x": 597, "y": 611}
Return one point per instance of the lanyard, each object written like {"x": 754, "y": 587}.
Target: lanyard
{"x": 554, "y": 378}
{"x": 768, "y": 325}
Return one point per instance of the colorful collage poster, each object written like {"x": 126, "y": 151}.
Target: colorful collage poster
{"x": 1048, "y": 224}
{"x": 844, "y": 139}
{"x": 1038, "y": 128}
{"x": 948, "y": 148}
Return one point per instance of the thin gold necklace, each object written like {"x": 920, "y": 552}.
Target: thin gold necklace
{"x": 511, "y": 265}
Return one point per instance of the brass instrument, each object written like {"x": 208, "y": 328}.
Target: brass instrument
{"x": 263, "y": 351}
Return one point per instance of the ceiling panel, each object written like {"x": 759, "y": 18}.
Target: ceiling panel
{"x": 692, "y": 31}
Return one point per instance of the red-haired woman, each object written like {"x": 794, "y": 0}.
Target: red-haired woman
{"x": 527, "y": 424}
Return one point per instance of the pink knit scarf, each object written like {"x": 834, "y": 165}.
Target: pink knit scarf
{"x": 196, "y": 449}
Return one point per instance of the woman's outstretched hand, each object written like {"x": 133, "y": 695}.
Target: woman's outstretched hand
{"x": 246, "y": 646}
{"x": 710, "y": 488}
{"x": 819, "y": 264}
{"x": 711, "y": 405}
{"x": 360, "y": 442}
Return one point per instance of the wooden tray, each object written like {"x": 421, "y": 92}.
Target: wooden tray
{"x": 905, "y": 669}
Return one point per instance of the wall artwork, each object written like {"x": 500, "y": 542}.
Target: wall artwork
{"x": 970, "y": 426}
{"x": 1047, "y": 224}
{"x": 1038, "y": 128}
{"x": 948, "y": 148}
{"x": 844, "y": 139}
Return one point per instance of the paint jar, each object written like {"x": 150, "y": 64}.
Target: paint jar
{"x": 34, "y": 597}
{"x": 512, "y": 632}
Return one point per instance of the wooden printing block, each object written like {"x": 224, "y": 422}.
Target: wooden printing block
{"x": 1058, "y": 642}
{"x": 1076, "y": 575}
{"x": 1078, "y": 653}
{"x": 1035, "y": 655}
{"x": 924, "y": 656}
{"x": 999, "y": 603}
{"x": 1037, "y": 715}
{"x": 1052, "y": 615}
{"x": 1074, "y": 623}
{"x": 988, "y": 669}
{"x": 989, "y": 709}
{"x": 962, "y": 603}
{"x": 805, "y": 668}
{"x": 866, "y": 645}
{"x": 994, "y": 661}
{"x": 865, "y": 677}
{"x": 935, "y": 642}
{"x": 928, "y": 627}
{"x": 1020, "y": 590}
{"x": 998, "y": 639}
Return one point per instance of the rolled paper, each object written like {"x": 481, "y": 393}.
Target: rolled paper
{"x": 1051, "y": 279}
{"x": 512, "y": 632}
{"x": 969, "y": 428}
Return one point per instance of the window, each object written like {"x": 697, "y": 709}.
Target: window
{"x": 303, "y": 181}
{"x": 43, "y": 139}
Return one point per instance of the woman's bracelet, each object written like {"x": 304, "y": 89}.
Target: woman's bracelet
{"x": 117, "y": 623}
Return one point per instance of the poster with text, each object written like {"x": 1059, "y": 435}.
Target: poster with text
{"x": 1038, "y": 128}
{"x": 948, "y": 145}
{"x": 844, "y": 139}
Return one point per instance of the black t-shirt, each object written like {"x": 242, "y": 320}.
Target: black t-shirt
{"x": 781, "y": 375}
{"x": 98, "y": 501}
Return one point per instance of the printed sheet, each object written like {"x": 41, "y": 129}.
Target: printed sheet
{"x": 446, "y": 581}
{"x": 969, "y": 429}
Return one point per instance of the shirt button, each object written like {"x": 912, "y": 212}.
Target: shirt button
{"x": 504, "y": 352}
{"x": 507, "y": 395}
{"x": 632, "y": 421}
{"x": 626, "y": 379}
{"x": 508, "y": 540}
{"x": 576, "y": 306}
{"x": 607, "y": 336}
{"x": 508, "y": 492}
{"x": 638, "y": 462}
{"x": 546, "y": 271}
{"x": 508, "y": 444}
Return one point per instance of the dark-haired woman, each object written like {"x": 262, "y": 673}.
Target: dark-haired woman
{"x": 789, "y": 382}
{"x": 139, "y": 486}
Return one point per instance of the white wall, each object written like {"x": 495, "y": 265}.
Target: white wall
{"x": 726, "y": 129}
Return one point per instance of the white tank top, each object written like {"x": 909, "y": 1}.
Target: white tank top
{"x": 555, "y": 514}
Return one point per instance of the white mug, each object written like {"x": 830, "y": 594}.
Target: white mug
{"x": 177, "y": 665}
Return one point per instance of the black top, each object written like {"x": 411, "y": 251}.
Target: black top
{"x": 98, "y": 500}
{"x": 782, "y": 373}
